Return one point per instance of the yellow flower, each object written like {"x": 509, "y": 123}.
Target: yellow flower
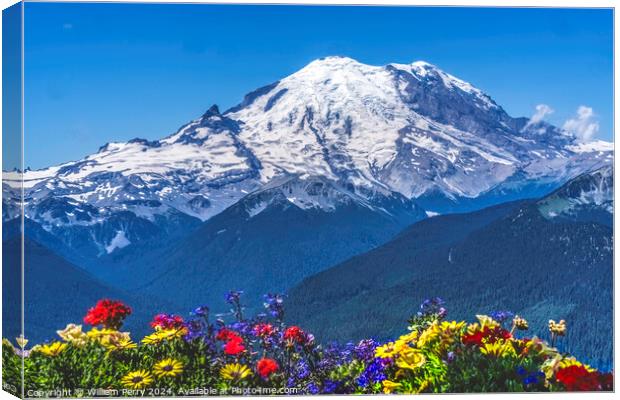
{"x": 161, "y": 335}
{"x": 498, "y": 349}
{"x": 570, "y": 361}
{"x": 410, "y": 359}
{"x": 539, "y": 347}
{"x": 73, "y": 334}
{"x": 557, "y": 328}
{"x": 520, "y": 323}
{"x": 410, "y": 337}
{"x": 52, "y": 349}
{"x": 97, "y": 334}
{"x": 106, "y": 336}
{"x": 550, "y": 365}
{"x": 235, "y": 372}
{"x": 429, "y": 335}
{"x": 389, "y": 386}
{"x": 390, "y": 349}
{"x": 168, "y": 367}
{"x": 486, "y": 321}
{"x": 452, "y": 326}
{"x": 169, "y": 334}
{"x": 21, "y": 341}
{"x": 153, "y": 338}
{"x": 119, "y": 344}
{"x": 137, "y": 379}
{"x": 7, "y": 343}
{"x": 385, "y": 351}
{"x": 450, "y": 331}
{"x": 556, "y": 363}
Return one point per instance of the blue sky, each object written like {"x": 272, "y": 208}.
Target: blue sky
{"x": 11, "y": 88}
{"x": 108, "y": 72}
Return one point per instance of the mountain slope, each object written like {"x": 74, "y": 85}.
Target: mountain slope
{"x": 505, "y": 257}
{"x": 407, "y": 128}
{"x": 57, "y": 292}
{"x": 588, "y": 197}
{"x": 269, "y": 241}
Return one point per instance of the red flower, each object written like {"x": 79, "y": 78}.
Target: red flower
{"x": 266, "y": 367}
{"x": 227, "y": 335}
{"x": 167, "y": 321}
{"x": 501, "y": 333}
{"x": 263, "y": 330}
{"x": 486, "y": 335}
{"x": 473, "y": 338}
{"x": 295, "y": 334}
{"x": 607, "y": 381}
{"x": 234, "y": 346}
{"x": 108, "y": 313}
{"x": 578, "y": 378}
{"x": 234, "y": 342}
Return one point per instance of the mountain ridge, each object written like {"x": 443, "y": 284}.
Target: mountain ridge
{"x": 512, "y": 256}
{"x": 266, "y": 242}
{"x": 412, "y": 129}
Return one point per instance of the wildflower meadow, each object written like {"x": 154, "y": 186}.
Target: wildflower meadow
{"x": 205, "y": 355}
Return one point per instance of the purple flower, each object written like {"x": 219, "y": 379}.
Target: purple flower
{"x": 194, "y": 330}
{"x": 274, "y": 303}
{"x": 198, "y": 329}
{"x": 313, "y": 388}
{"x": 330, "y": 386}
{"x": 303, "y": 371}
{"x": 242, "y": 327}
{"x": 273, "y": 340}
{"x": 299, "y": 372}
{"x": 363, "y": 380}
{"x": 335, "y": 354}
{"x": 501, "y": 316}
{"x": 233, "y": 297}
{"x": 433, "y": 306}
{"x": 374, "y": 372}
{"x": 533, "y": 378}
{"x": 202, "y": 311}
{"x": 365, "y": 349}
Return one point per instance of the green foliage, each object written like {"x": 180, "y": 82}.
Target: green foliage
{"x": 505, "y": 257}
{"x": 263, "y": 355}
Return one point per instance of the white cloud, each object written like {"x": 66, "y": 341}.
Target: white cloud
{"x": 583, "y": 126}
{"x": 541, "y": 111}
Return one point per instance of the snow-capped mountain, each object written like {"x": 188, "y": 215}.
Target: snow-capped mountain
{"x": 327, "y": 195}
{"x": 407, "y": 129}
{"x": 412, "y": 128}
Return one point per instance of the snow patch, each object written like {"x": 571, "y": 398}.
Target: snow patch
{"x": 118, "y": 242}
{"x": 257, "y": 209}
{"x": 596, "y": 145}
